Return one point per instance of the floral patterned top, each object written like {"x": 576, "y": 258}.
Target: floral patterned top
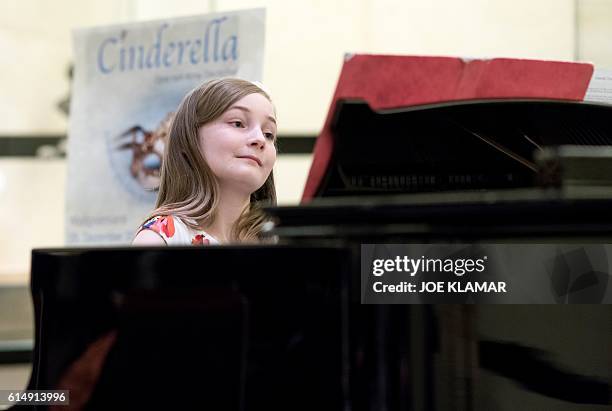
{"x": 175, "y": 232}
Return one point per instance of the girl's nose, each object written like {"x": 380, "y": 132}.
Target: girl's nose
{"x": 257, "y": 138}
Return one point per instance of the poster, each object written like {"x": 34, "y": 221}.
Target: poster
{"x": 128, "y": 80}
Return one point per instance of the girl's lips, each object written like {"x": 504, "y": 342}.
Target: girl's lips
{"x": 255, "y": 159}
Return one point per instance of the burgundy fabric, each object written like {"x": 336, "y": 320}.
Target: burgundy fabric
{"x": 386, "y": 82}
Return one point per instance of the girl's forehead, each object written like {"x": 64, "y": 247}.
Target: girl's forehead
{"x": 255, "y": 103}
{"x": 254, "y": 99}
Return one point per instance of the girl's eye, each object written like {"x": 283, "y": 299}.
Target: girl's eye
{"x": 237, "y": 124}
{"x": 269, "y": 136}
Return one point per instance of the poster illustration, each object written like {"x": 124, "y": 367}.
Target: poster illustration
{"x": 128, "y": 80}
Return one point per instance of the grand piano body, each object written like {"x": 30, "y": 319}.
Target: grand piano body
{"x": 225, "y": 328}
{"x": 282, "y": 327}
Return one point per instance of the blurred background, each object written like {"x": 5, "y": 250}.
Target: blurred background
{"x": 305, "y": 45}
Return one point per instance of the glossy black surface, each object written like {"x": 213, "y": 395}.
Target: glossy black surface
{"x": 219, "y": 327}
{"x": 466, "y": 145}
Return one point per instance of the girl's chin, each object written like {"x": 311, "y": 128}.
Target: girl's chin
{"x": 248, "y": 184}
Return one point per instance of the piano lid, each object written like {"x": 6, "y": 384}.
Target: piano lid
{"x": 401, "y": 124}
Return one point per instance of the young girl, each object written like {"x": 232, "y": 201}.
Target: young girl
{"x": 217, "y": 168}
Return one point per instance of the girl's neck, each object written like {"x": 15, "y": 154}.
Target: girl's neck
{"x": 231, "y": 205}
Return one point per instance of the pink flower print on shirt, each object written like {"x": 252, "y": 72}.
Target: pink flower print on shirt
{"x": 161, "y": 224}
{"x": 200, "y": 240}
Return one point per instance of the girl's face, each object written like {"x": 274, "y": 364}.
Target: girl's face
{"x": 239, "y": 145}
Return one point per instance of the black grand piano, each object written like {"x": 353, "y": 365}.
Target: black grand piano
{"x": 282, "y": 327}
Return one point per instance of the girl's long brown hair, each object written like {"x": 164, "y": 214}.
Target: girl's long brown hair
{"x": 188, "y": 188}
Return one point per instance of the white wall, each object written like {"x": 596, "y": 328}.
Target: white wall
{"x": 32, "y": 203}
{"x": 306, "y": 40}
{"x": 595, "y": 32}
{"x": 35, "y": 40}
{"x": 305, "y": 44}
